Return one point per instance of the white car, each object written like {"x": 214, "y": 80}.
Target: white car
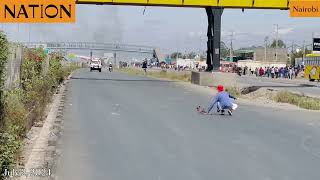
{"x": 95, "y": 64}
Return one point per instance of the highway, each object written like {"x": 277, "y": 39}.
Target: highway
{"x": 121, "y": 127}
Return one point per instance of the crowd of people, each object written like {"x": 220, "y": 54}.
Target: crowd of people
{"x": 288, "y": 72}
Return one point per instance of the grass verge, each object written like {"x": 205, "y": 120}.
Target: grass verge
{"x": 298, "y": 100}
{"x": 179, "y": 76}
{"x": 234, "y": 91}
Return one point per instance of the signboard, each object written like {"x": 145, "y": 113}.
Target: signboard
{"x": 259, "y": 4}
{"x": 316, "y": 44}
{"x": 46, "y": 51}
{"x": 304, "y": 8}
{"x": 72, "y": 56}
{"x": 37, "y": 11}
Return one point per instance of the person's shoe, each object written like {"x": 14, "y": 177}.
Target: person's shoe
{"x": 222, "y": 112}
{"x": 218, "y": 110}
{"x": 230, "y": 112}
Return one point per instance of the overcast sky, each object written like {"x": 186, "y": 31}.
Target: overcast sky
{"x": 171, "y": 29}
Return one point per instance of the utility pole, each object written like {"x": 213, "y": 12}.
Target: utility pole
{"x": 265, "y": 47}
{"x": 277, "y": 44}
{"x": 277, "y": 40}
{"x": 231, "y": 47}
{"x": 292, "y": 60}
{"x": 304, "y": 50}
{"x": 200, "y": 45}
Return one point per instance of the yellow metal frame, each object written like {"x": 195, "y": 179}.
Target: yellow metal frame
{"x": 256, "y": 4}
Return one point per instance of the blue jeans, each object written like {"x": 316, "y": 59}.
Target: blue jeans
{"x": 223, "y": 107}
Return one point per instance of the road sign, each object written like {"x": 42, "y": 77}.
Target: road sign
{"x": 46, "y": 51}
{"x": 259, "y": 4}
{"x": 72, "y": 56}
{"x": 316, "y": 44}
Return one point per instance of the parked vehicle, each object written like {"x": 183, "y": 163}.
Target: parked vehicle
{"x": 227, "y": 66}
{"x": 312, "y": 68}
{"x": 95, "y": 64}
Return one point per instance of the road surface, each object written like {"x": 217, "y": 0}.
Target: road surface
{"x": 120, "y": 127}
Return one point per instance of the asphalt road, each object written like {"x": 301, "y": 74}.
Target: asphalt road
{"x": 120, "y": 127}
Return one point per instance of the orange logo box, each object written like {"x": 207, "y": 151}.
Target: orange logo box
{"x": 37, "y": 11}
{"x": 304, "y": 8}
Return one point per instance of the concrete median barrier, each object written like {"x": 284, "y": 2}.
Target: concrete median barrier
{"x": 214, "y": 79}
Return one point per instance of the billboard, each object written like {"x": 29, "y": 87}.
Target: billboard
{"x": 316, "y": 44}
{"x": 259, "y": 4}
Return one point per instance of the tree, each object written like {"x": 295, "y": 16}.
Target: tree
{"x": 299, "y": 54}
{"x": 176, "y": 55}
{"x": 224, "y": 51}
{"x": 4, "y": 53}
{"x": 281, "y": 44}
{"x": 191, "y": 55}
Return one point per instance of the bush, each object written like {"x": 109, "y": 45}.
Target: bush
{"x": 26, "y": 105}
{"x": 10, "y": 145}
{"x": 298, "y": 100}
{"x": 13, "y": 130}
{"x": 4, "y": 52}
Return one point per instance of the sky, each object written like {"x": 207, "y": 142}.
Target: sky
{"x": 169, "y": 28}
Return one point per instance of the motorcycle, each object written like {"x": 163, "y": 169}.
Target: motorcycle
{"x": 110, "y": 68}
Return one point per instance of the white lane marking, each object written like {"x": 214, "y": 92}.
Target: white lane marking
{"x": 311, "y": 124}
{"x": 115, "y": 114}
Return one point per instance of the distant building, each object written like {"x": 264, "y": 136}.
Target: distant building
{"x": 279, "y": 55}
{"x": 265, "y": 57}
{"x": 186, "y": 63}
{"x": 107, "y": 58}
